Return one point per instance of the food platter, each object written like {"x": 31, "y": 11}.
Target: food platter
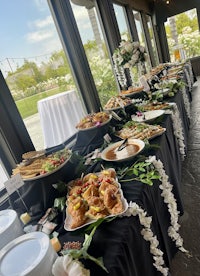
{"x": 49, "y": 173}
{"x": 171, "y": 77}
{"x": 118, "y": 107}
{"x": 98, "y": 125}
{"x": 128, "y": 152}
{"x": 35, "y": 170}
{"x": 94, "y": 121}
{"x": 140, "y": 131}
{"x": 132, "y": 92}
{"x": 117, "y": 103}
{"x": 33, "y": 155}
{"x": 153, "y": 106}
{"x": 100, "y": 184}
{"x": 148, "y": 115}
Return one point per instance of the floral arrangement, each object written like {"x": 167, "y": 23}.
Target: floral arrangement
{"x": 127, "y": 55}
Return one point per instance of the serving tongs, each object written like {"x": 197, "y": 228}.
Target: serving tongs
{"x": 123, "y": 145}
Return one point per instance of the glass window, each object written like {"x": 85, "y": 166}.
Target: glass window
{"x": 3, "y": 175}
{"x": 183, "y": 35}
{"x": 153, "y": 42}
{"x": 32, "y": 60}
{"x": 141, "y": 35}
{"x": 122, "y": 23}
{"x": 139, "y": 27}
{"x": 95, "y": 49}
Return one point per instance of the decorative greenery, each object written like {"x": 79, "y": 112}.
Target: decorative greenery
{"x": 172, "y": 86}
{"x": 141, "y": 171}
{"x": 60, "y": 203}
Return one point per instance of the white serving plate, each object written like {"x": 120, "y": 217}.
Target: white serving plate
{"x": 7, "y": 217}
{"x": 90, "y": 221}
{"x": 148, "y": 115}
{"x": 28, "y": 255}
{"x": 10, "y": 227}
{"x": 123, "y": 154}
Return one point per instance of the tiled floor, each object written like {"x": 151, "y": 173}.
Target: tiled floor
{"x": 182, "y": 265}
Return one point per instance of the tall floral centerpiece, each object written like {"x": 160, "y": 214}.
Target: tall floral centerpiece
{"x": 125, "y": 57}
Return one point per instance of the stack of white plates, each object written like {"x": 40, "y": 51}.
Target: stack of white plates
{"x": 31, "y": 254}
{"x": 10, "y": 227}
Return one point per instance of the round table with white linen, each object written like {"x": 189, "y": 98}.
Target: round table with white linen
{"x": 59, "y": 115}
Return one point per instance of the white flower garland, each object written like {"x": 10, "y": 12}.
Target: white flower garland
{"x": 178, "y": 128}
{"x": 170, "y": 200}
{"x": 188, "y": 79}
{"x": 127, "y": 55}
{"x": 186, "y": 102}
{"x": 190, "y": 72}
{"x": 132, "y": 77}
{"x": 120, "y": 74}
{"x": 148, "y": 235}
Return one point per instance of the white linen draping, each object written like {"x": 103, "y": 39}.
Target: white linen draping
{"x": 59, "y": 115}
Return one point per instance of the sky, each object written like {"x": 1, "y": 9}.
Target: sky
{"x": 27, "y": 31}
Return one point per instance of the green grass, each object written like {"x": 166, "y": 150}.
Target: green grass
{"x": 28, "y": 106}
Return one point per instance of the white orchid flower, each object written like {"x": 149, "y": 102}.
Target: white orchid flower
{"x": 67, "y": 266}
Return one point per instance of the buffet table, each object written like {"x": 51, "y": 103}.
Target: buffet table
{"x": 122, "y": 244}
{"x": 119, "y": 242}
{"x": 59, "y": 115}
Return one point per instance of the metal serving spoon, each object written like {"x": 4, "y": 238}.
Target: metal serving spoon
{"x": 123, "y": 145}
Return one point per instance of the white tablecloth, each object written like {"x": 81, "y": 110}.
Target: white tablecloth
{"x": 59, "y": 115}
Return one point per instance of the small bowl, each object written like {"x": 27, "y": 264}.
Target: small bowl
{"x": 131, "y": 149}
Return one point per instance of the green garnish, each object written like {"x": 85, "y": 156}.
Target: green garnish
{"x": 143, "y": 171}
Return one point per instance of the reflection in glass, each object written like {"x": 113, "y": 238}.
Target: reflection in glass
{"x": 141, "y": 35}
{"x": 183, "y": 35}
{"x": 121, "y": 20}
{"x": 32, "y": 60}
{"x": 95, "y": 49}
{"x": 153, "y": 42}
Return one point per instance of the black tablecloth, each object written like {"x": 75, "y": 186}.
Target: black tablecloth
{"x": 119, "y": 242}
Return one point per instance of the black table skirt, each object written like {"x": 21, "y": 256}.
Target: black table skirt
{"x": 120, "y": 243}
